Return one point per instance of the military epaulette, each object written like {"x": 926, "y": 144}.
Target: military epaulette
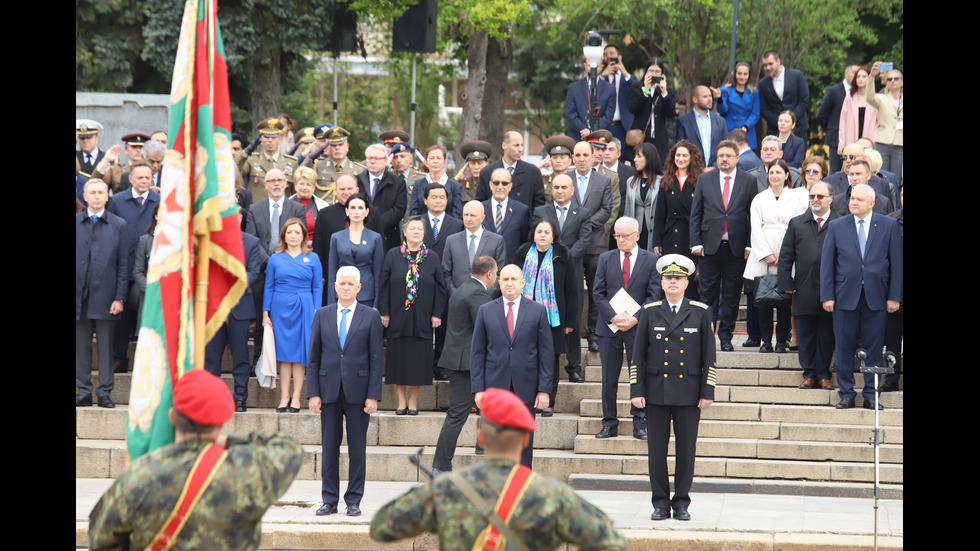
{"x": 699, "y": 304}
{"x": 653, "y": 304}
{"x": 291, "y": 157}
{"x": 355, "y": 163}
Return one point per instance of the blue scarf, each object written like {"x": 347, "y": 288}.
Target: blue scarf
{"x": 543, "y": 279}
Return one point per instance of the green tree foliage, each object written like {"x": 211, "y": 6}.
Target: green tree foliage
{"x": 107, "y": 45}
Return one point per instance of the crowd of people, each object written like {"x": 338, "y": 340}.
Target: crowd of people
{"x": 647, "y": 216}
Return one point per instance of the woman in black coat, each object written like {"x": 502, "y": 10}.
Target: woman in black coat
{"x": 412, "y": 304}
{"x": 672, "y": 226}
{"x": 652, "y": 94}
{"x": 554, "y": 287}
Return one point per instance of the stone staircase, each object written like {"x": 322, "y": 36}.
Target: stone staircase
{"x": 762, "y": 435}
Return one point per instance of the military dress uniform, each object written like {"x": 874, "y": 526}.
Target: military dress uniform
{"x": 547, "y": 514}
{"x": 255, "y": 165}
{"x": 673, "y": 367}
{"x": 473, "y": 150}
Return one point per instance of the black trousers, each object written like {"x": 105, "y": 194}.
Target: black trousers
{"x": 686, "y": 420}
{"x": 590, "y": 264}
{"x": 331, "y": 425}
{"x": 611, "y": 354}
{"x": 722, "y": 272}
{"x": 894, "y": 331}
{"x": 460, "y": 405}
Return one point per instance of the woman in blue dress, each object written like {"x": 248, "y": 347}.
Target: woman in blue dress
{"x": 293, "y": 288}
{"x": 738, "y": 102}
{"x": 359, "y": 247}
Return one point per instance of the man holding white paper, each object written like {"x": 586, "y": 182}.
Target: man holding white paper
{"x": 626, "y": 279}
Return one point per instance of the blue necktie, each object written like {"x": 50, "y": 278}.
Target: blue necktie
{"x": 95, "y": 219}
{"x": 343, "y": 326}
{"x": 862, "y": 237}
{"x": 435, "y": 228}
{"x": 582, "y": 180}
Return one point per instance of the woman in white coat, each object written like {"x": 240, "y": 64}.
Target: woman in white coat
{"x": 770, "y": 215}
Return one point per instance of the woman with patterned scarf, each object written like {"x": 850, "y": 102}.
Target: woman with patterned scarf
{"x": 411, "y": 306}
{"x": 549, "y": 280}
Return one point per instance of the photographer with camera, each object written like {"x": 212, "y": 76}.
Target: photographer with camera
{"x": 651, "y": 103}
{"x": 615, "y": 73}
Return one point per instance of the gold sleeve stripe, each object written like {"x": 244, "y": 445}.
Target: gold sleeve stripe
{"x": 633, "y": 374}
{"x": 711, "y": 376}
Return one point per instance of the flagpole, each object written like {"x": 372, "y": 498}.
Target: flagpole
{"x": 201, "y": 297}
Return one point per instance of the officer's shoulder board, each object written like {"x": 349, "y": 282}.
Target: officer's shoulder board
{"x": 699, "y": 304}
{"x": 291, "y": 158}
{"x": 355, "y": 163}
{"x": 653, "y": 304}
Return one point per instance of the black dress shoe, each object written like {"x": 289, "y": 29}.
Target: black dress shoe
{"x": 240, "y": 406}
{"x": 639, "y": 434}
{"x": 353, "y": 510}
{"x": 478, "y": 450}
{"x": 845, "y": 403}
{"x": 120, "y": 367}
{"x": 750, "y": 343}
{"x": 766, "y": 348}
{"x": 608, "y": 432}
{"x": 547, "y": 412}
{"x": 727, "y": 347}
{"x": 105, "y": 402}
{"x": 401, "y": 411}
{"x": 682, "y": 514}
{"x": 83, "y": 401}
{"x": 888, "y": 387}
{"x": 327, "y": 510}
{"x": 282, "y": 409}
{"x": 575, "y": 374}
{"x": 780, "y": 348}
{"x": 660, "y": 513}
{"x": 593, "y": 343}
{"x": 413, "y": 412}
{"x": 868, "y": 404}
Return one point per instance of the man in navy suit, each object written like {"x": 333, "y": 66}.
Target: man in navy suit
{"x": 101, "y": 286}
{"x": 134, "y": 205}
{"x": 578, "y": 106}
{"x": 505, "y": 217}
{"x": 860, "y": 282}
{"x": 702, "y": 126}
{"x": 615, "y": 73}
{"x": 438, "y": 224}
{"x": 234, "y": 332}
{"x": 528, "y": 183}
{"x": 783, "y": 88}
{"x": 747, "y": 159}
{"x": 631, "y": 268}
{"x": 720, "y": 234}
{"x": 512, "y": 348}
{"x": 343, "y": 381}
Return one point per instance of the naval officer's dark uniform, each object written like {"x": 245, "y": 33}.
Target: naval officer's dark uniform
{"x": 673, "y": 367}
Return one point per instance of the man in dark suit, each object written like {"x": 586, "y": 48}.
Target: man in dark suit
{"x": 859, "y": 172}
{"x": 672, "y": 376}
{"x": 438, "y": 227}
{"x": 512, "y": 348}
{"x": 842, "y": 180}
{"x": 771, "y": 149}
{"x": 720, "y": 233}
{"x": 386, "y": 192}
{"x": 578, "y": 106}
{"x": 783, "y": 88}
{"x": 526, "y": 178}
{"x": 101, "y": 287}
{"x": 343, "y": 382}
{"x": 574, "y": 231}
{"x": 265, "y": 218}
{"x": 455, "y": 358}
{"x": 747, "y": 159}
{"x": 234, "y": 332}
{"x": 829, "y": 115}
{"x": 135, "y": 206}
{"x": 702, "y": 126}
{"x": 860, "y": 281}
{"x": 632, "y": 269}
{"x": 593, "y": 191}
{"x": 88, "y": 152}
{"x": 615, "y": 73}
{"x": 799, "y": 274}
{"x": 462, "y": 248}
{"x": 508, "y": 219}
{"x": 332, "y": 220}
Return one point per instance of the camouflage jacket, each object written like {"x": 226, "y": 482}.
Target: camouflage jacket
{"x": 548, "y": 513}
{"x": 257, "y": 471}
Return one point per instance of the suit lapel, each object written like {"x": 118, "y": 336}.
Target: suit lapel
{"x": 353, "y": 322}
{"x": 332, "y": 324}
{"x": 852, "y": 233}
{"x": 682, "y": 313}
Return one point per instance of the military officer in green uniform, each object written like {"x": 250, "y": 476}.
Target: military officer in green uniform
{"x": 333, "y": 140}
{"x": 476, "y": 153}
{"x": 559, "y": 148}
{"x": 247, "y": 475}
{"x": 540, "y": 512}
{"x": 392, "y": 138}
{"x": 110, "y": 170}
{"x": 672, "y": 375}
{"x": 254, "y": 164}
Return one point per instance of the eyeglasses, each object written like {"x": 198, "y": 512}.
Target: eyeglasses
{"x": 374, "y": 158}
{"x": 812, "y": 172}
{"x": 850, "y": 157}
{"x": 619, "y": 236}
{"x": 893, "y": 79}
{"x": 818, "y": 196}
{"x": 500, "y": 182}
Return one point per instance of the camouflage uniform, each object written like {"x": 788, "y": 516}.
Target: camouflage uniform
{"x": 254, "y": 166}
{"x": 327, "y": 172}
{"x": 548, "y": 513}
{"x": 257, "y": 471}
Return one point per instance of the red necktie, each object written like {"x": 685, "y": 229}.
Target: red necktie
{"x": 724, "y": 200}
{"x": 626, "y": 269}
{"x": 510, "y": 319}
{"x": 819, "y": 223}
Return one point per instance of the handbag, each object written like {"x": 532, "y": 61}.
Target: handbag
{"x": 266, "y": 371}
{"x": 636, "y": 136}
{"x": 767, "y": 294}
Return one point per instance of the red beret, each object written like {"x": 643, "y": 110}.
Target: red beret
{"x": 203, "y": 398}
{"x": 504, "y": 409}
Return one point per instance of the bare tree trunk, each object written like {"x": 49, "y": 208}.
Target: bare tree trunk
{"x": 500, "y": 57}
{"x": 266, "y": 86}
{"x": 473, "y": 92}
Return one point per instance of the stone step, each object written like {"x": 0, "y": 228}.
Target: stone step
{"x": 783, "y": 413}
{"x": 803, "y": 432}
{"x": 703, "y": 485}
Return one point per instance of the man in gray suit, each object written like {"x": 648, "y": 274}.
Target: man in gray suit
{"x": 770, "y": 149}
{"x": 455, "y": 358}
{"x": 462, "y": 248}
{"x": 594, "y": 192}
{"x": 101, "y": 285}
{"x": 574, "y": 231}
{"x": 264, "y": 220}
